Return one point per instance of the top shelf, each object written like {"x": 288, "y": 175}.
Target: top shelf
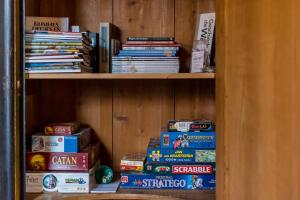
{"x": 120, "y": 76}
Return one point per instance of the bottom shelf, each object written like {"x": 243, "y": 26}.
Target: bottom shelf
{"x": 130, "y": 194}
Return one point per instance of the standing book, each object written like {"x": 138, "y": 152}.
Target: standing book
{"x": 107, "y": 32}
{"x": 47, "y": 24}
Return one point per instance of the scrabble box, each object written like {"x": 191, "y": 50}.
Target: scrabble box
{"x": 156, "y": 154}
{"x": 73, "y": 143}
{"x": 188, "y": 168}
{"x": 194, "y": 140}
{"x": 152, "y": 181}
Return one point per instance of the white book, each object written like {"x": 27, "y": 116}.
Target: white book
{"x": 205, "y": 27}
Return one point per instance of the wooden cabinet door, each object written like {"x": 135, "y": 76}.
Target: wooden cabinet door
{"x": 258, "y": 99}
{"x": 11, "y": 101}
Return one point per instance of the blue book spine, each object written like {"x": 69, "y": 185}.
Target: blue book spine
{"x": 193, "y": 140}
{"x": 183, "y": 182}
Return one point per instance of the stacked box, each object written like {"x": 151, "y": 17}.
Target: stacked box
{"x": 182, "y": 158}
{"x": 183, "y": 182}
{"x": 193, "y": 140}
{"x": 62, "y": 160}
{"x": 82, "y": 161}
{"x": 64, "y": 182}
{"x": 156, "y": 154}
{"x": 68, "y": 143}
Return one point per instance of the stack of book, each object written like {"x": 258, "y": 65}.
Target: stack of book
{"x": 147, "y": 55}
{"x": 62, "y": 159}
{"x": 53, "y": 52}
{"x": 182, "y": 158}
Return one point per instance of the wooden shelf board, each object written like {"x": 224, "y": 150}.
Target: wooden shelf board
{"x": 131, "y": 194}
{"x": 120, "y": 76}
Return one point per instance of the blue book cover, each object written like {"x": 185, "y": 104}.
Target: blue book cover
{"x": 193, "y": 140}
{"x": 156, "y": 154}
{"x": 183, "y": 182}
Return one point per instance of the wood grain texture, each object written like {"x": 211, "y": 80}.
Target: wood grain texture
{"x": 110, "y": 76}
{"x": 258, "y": 100}
{"x": 185, "y": 23}
{"x": 58, "y": 8}
{"x": 195, "y": 99}
{"x": 130, "y": 194}
{"x": 94, "y": 108}
{"x": 141, "y": 108}
{"x": 89, "y": 13}
{"x": 144, "y": 18}
{"x": 32, "y": 7}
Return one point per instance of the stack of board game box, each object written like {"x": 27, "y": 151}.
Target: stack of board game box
{"x": 62, "y": 159}
{"x": 182, "y": 158}
{"x": 147, "y": 55}
{"x": 56, "y": 51}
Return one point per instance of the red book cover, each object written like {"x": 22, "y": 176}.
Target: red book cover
{"x": 44, "y": 161}
{"x": 151, "y": 45}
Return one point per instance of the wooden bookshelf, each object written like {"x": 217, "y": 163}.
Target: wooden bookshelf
{"x": 120, "y": 76}
{"x": 131, "y": 194}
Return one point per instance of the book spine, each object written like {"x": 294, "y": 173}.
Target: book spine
{"x": 151, "y": 48}
{"x": 151, "y": 39}
{"x": 104, "y": 47}
{"x": 150, "y": 42}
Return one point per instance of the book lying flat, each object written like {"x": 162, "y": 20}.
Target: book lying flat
{"x": 52, "y": 60}
{"x": 106, "y": 188}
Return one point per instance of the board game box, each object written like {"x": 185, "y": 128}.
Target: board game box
{"x": 183, "y": 182}
{"x": 156, "y": 154}
{"x": 62, "y": 128}
{"x": 72, "y": 143}
{"x": 170, "y": 168}
{"x": 190, "y": 126}
{"x": 133, "y": 162}
{"x": 64, "y": 182}
{"x": 82, "y": 161}
{"x": 194, "y": 140}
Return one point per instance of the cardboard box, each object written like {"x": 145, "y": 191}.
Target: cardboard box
{"x": 171, "y": 168}
{"x": 194, "y": 140}
{"x": 72, "y": 143}
{"x": 82, "y": 161}
{"x": 64, "y": 182}
{"x": 156, "y": 154}
{"x": 62, "y": 128}
{"x": 190, "y": 126}
{"x": 182, "y": 182}
{"x": 133, "y": 162}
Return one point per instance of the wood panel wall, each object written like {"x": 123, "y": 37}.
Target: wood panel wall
{"x": 258, "y": 100}
{"x": 126, "y": 113}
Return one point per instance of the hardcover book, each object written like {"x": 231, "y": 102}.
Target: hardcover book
{"x": 47, "y": 24}
{"x": 107, "y": 32}
{"x": 205, "y": 30}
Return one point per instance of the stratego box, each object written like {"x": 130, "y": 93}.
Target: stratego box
{"x": 194, "y": 140}
{"x": 170, "y": 168}
{"x": 82, "y": 161}
{"x": 190, "y": 126}
{"x": 156, "y": 154}
{"x": 72, "y": 143}
{"x": 64, "y": 182}
{"x": 152, "y": 181}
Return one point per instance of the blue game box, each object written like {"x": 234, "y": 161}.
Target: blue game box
{"x": 182, "y": 182}
{"x": 193, "y": 140}
{"x": 156, "y": 154}
{"x": 71, "y": 143}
